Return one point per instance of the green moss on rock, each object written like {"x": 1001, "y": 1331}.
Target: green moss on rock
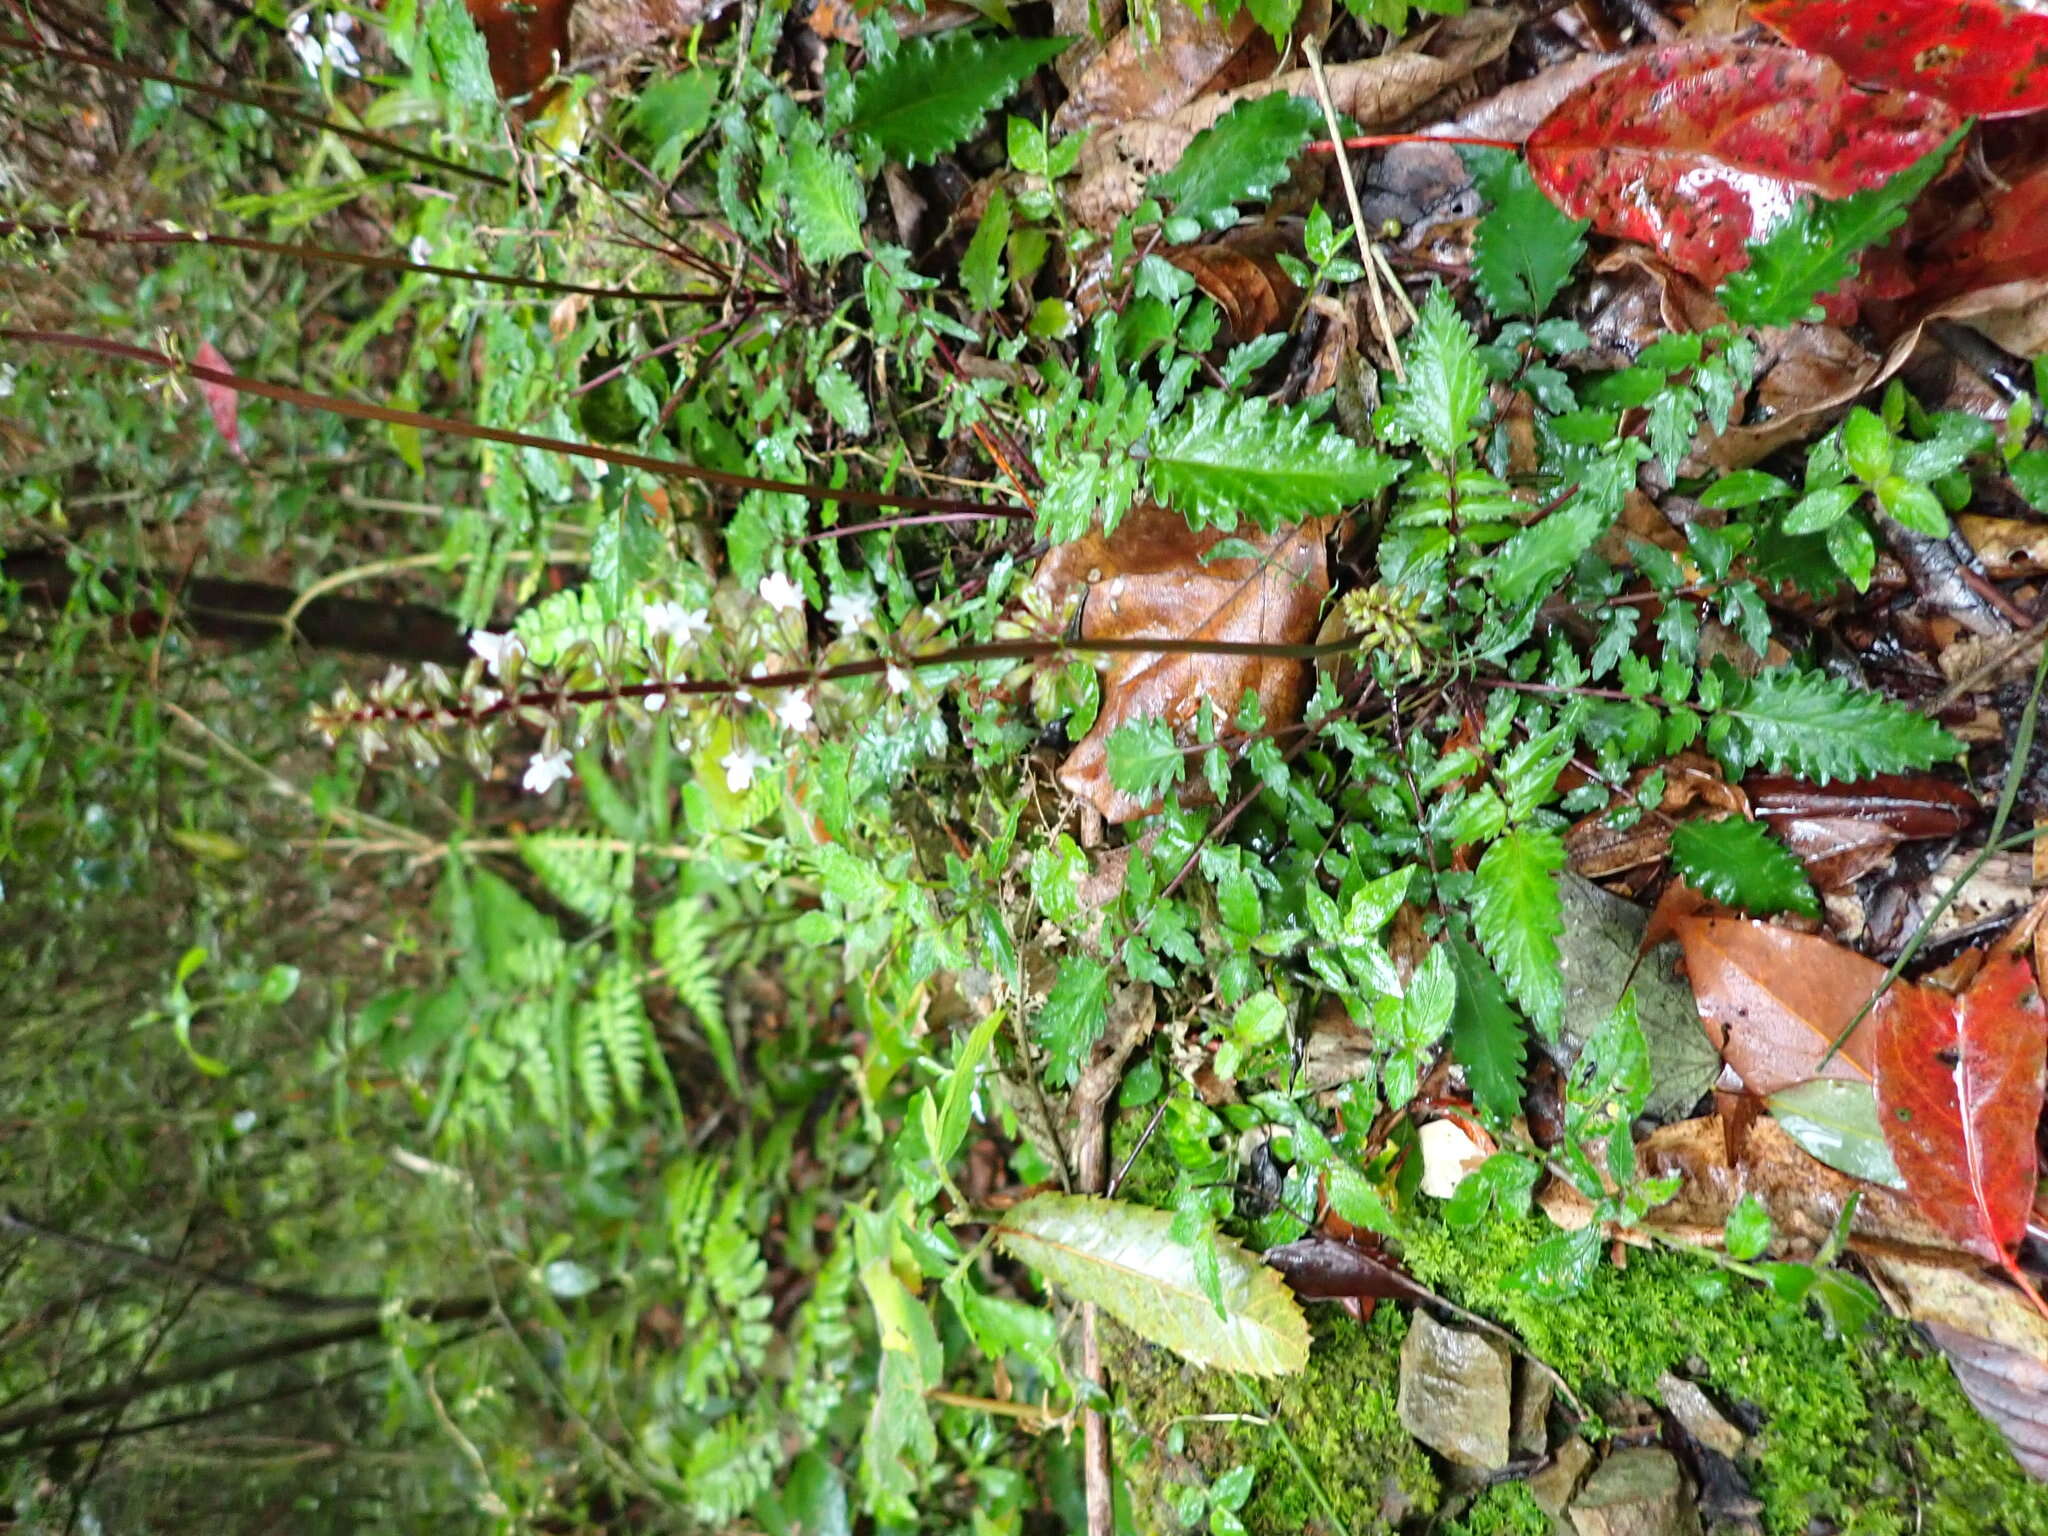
{"x": 1506, "y": 1509}
{"x": 1336, "y": 1419}
{"x": 1872, "y": 1435}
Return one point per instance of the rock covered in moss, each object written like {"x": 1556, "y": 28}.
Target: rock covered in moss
{"x": 1636, "y": 1492}
{"x": 1457, "y": 1393}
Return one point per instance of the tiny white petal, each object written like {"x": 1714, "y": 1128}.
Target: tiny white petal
{"x": 794, "y": 712}
{"x": 740, "y": 765}
{"x": 744, "y": 695}
{"x": 546, "y": 771}
{"x": 897, "y": 679}
{"x": 421, "y": 251}
{"x": 850, "y": 608}
{"x": 654, "y": 703}
{"x": 494, "y": 647}
{"x": 781, "y": 594}
{"x": 696, "y": 622}
{"x": 663, "y": 618}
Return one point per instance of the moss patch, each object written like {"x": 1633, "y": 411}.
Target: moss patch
{"x": 1872, "y": 1434}
{"x": 1507, "y": 1509}
{"x": 1337, "y": 1417}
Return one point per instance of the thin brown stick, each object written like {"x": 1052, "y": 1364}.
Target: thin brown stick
{"x": 15, "y": 43}
{"x": 365, "y": 259}
{"x": 363, "y": 410}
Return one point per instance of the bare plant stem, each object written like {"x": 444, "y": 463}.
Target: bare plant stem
{"x": 363, "y": 410}
{"x": 368, "y": 260}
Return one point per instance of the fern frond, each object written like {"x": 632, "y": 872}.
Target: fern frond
{"x": 582, "y": 874}
{"x": 681, "y": 942}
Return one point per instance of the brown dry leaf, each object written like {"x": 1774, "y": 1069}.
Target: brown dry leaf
{"x": 1995, "y": 1342}
{"x": 1837, "y": 850}
{"x": 608, "y": 27}
{"x": 1133, "y": 76}
{"x": 839, "y": 20}
{"x": 1374, "y": 93}
{"x": 1773, "y": 1000}
{"x": 2007, "y": 546}
{"x": 1147, "y": 579}
{"x": 1241, "y": 274}
{"x": 1804, "y": 1196}
{"x": 1598, "y": 850}
{"x": 1423, "y": 186}
{"x": 1914, "y": 805}
{"x": 1978, "y": 662}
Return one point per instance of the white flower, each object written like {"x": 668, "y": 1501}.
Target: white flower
{"x": 654, "y": 703}
{"x": 421, "y": 251}
{"x": 332, "y": 48}
{"x": 546, "y": 771}
{"x": 740, "y": 765}
{"x": 794, "y": 711}
{"x": 676, "y": 621}
{"x": 781, "y": 594}
{"x": 850, "y": 608}
{"x": 897, "y": 679}
{"x": 495, "y": 648}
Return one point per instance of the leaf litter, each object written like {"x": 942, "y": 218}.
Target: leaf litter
{"x": 1913, "y": 1148}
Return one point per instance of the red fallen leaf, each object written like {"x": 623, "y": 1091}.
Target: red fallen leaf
{"x": 1982, "y": 57}
{"x": 1959, "y": 1094}
{"x": 527, "y": 42}
{"x": 2009, "y": 246}
{"x": 223, "y": 403}
{"x": 1773, "y": 1001}
{"x": 1911, "y": 804}
{"x": 1699, "y": 148}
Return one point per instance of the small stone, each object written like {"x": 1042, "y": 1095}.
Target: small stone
{"x": 1455, "y": 1393}
{"x": 1702, "y": 1420}
{"x": 1638, "y": 1492}
{"x": 1553, "y": 1487}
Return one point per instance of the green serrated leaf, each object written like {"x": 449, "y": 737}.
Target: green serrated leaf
{"x": 1739, "y": 864}
{"x": 826, "y": 204}
{"x": 981, "y": 268}
{"x": 1518, "y": 914}
{"x": 1816, "y": 247}
{"x": 1223, "y": 458}
{"x": 932, "y": 93}
{"x": 1241, "y": 156}
{"x": 1524, "y": 248}
{"x": 1486, "y": 1035}
{"x": 843, "y": 400}
{"x": 1143, "y": 760}
{"x": 1071, "y": 1020}
{"x": 1125, "y": 1260}
{"x": 1446, "y": 381}
{"x": 1822, "y": 728}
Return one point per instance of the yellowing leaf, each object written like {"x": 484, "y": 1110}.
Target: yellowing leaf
{"x": 1125, "y": 1260}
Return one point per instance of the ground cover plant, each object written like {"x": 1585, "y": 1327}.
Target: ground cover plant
{"x": 799, "y": 768}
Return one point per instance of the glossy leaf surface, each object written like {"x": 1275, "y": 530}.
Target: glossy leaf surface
{"x": 1959, "y": 1095}
{"x": 1125, "y": 1260}
{"x": 1772, "y": 1000}
{"x": 1699, "y": 148}
{"x": 1982, "y": 57}
{"x": 933, "y": 92}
